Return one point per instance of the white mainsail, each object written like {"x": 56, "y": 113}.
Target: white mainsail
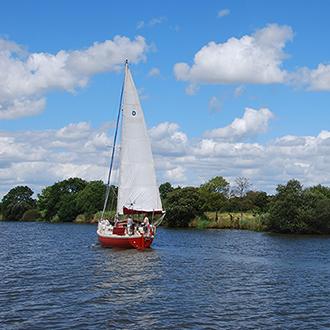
{"x": 138, "y": 190}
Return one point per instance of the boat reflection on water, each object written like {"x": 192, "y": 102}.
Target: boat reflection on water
{"x": 126, "y": 267}
{"x": 129, "y": 277}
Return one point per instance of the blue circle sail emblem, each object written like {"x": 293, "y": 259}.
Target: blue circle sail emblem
{"x": 133, "y": 113}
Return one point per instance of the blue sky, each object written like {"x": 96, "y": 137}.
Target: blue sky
{"x": 271, "y": 57}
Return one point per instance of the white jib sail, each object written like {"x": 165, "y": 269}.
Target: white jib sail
{"x": 138, "y": 188}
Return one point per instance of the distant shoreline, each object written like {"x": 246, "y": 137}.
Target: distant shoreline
{"x": 228, "y": 221}
{"x": 293, "y": 209}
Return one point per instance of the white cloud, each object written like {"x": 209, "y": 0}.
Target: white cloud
{"x": 40, "y": 158}
{"x": 74, "y": 131}
{"x": 151, "y": 23}
{"x": 252, "y": 123}
{"x": 100, "y": 141}
{"x": 223, "y": 13}
{"x": 192, "y": 89}
{"x": 253, "y": 58}
{"x": 25, "y": 78}
{"x": 167, "y": 138}
{"x": 22, "y": 108}
{"x": 157, "y": 20}
{"x": 214, "y": 104}
{"x": 164, "y": 129}
{"x": 304, "y": 158}
{"x": 312, "y": 79}
{"x": 154, "y": 72}
{"x": 11, "y": 47}
{"x": 176, "y": 175}
{"x": 107, "y": 56}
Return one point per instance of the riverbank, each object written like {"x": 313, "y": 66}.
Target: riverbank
{"x": 209, "y": 220}
{"x": 232, "y": 220}
{"x": 249, "y": 221}
{"x": 292, "y": 210}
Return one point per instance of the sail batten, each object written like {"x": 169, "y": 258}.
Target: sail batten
{"x": 138, "y": 189}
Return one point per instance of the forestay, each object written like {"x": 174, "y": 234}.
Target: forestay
{"x": 138, "y": 190}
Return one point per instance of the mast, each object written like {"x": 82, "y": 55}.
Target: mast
{"x": 114, "y": 144}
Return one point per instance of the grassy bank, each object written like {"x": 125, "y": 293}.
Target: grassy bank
{"x": 249, "y": 221}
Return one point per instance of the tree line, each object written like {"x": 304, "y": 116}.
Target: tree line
{"x": 60, "y": 202}
{"x": 292, "y": 209}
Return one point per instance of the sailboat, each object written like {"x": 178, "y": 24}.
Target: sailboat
{"x": 139, "y": 207}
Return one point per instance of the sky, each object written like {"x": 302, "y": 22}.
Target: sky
{"x": 230, "y": 88}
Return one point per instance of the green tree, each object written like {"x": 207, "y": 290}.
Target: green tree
{"x": 216, "y": 185}
{"x": 320, "y": 190}
{"x": 294, "y": 210}
{"x": 16, "y": 202}
{"x": 286, "y": 211}
{"x": 315, "y": 212}
{"x": 182, "y": 206}
{"x": 214, "y": 194}
{"x": 320, "y": 220}
{"x": 257, "y": 201}
{"x": 67, "y": 208}
{"x": 59, "y": 200}
{"x": 91, "y": 198}
{"x": 164, "y": 190}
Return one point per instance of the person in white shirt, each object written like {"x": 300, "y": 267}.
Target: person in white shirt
{"x": 146, "y": 225}
{"x": 145, "y": 220}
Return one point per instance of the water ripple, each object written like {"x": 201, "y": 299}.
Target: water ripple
{"x": 58, "y": 277}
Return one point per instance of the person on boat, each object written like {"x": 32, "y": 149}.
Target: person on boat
{"x": 116, "y": 220}
{"x": 146, "y": 226}
{"x": 130, "y": 226}
{"x": 145, "y": 220}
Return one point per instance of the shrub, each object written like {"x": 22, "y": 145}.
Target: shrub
{"x": 31, "y": 215}
{"x": 182, "y": 206}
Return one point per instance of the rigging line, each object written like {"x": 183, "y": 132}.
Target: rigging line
{"x": 114, "y": 195}
{"x": 114, "y": 145}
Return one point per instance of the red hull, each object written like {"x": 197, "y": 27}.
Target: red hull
{"x": 139, "y": 243}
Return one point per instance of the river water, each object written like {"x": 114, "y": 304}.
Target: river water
{"x": 56, "y": 276}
